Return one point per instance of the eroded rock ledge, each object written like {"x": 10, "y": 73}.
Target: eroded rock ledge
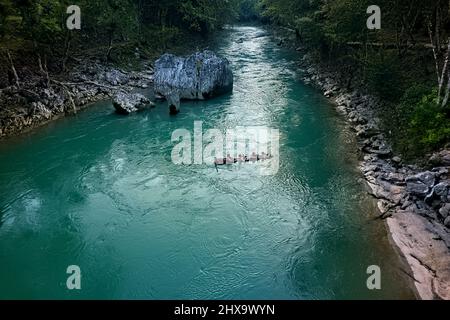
{"x": 414, "y": 202}
{"x": 126, "y": 104}
{"x": 200, "y": 76}
{"x": 37, "y": 102}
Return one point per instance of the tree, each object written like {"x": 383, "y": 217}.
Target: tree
{"x": 118, "y": 19}
{"x": 6, "y": 9}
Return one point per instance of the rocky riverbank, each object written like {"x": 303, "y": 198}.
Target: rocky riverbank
{"x": 41, "y": 99}
{"x": 414, "y": 201}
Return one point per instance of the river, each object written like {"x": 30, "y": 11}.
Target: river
{"x": 100, "y": 191}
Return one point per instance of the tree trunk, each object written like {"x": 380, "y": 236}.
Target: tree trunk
{"x": 36, "y": 49}
{"x": 13, "y": 69}
{"x": 66, "y": 51}
{"x": 435, "y": 54}
{"x": 447, "y": 93}
{"x": 47, "y": 76}
{"x": 110, "y": 46}
{"x": 443, "y": 74}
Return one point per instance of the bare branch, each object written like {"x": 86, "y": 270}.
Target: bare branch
{"x": 13, "y": 69}
{"x": 444, "y": 70}
{"x": 430, "y": 33}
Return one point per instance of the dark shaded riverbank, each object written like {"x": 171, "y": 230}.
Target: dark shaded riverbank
{"x": 415, "y": 201}
{"x": 37, "y": 102}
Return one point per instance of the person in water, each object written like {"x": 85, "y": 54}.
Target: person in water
{"x": 230, "y": 160}
{"x": 242, "y": 158}
{"x": 218, "y": 161}
{"x": 265, "y": 156}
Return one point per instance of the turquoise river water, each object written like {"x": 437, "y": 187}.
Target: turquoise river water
{"x": 100, "y": 191}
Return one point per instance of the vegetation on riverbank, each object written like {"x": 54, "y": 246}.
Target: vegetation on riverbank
{"x": 48, "y": 69}
{"x": 405, "y": 63}
{"x": 34, "y": 37}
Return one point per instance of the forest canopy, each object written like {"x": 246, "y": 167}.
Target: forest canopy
{"x": 405, "y": 62}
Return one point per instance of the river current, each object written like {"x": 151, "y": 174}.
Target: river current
{"x": 100, "y": 191}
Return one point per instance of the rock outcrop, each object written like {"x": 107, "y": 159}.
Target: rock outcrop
{"x": 200, "y": 76}
{"x": 173, "y": 99}
{"x": 441, "y": 158}
{"x": 125, "y": 103}
{"x": 36, "y": 103}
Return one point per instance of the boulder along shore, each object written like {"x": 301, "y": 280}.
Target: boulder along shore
{"x": 42, "y": 98}
{"x": 414, "y": 202}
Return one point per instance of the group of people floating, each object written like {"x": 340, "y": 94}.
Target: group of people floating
{"x": 241, "y": 159}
